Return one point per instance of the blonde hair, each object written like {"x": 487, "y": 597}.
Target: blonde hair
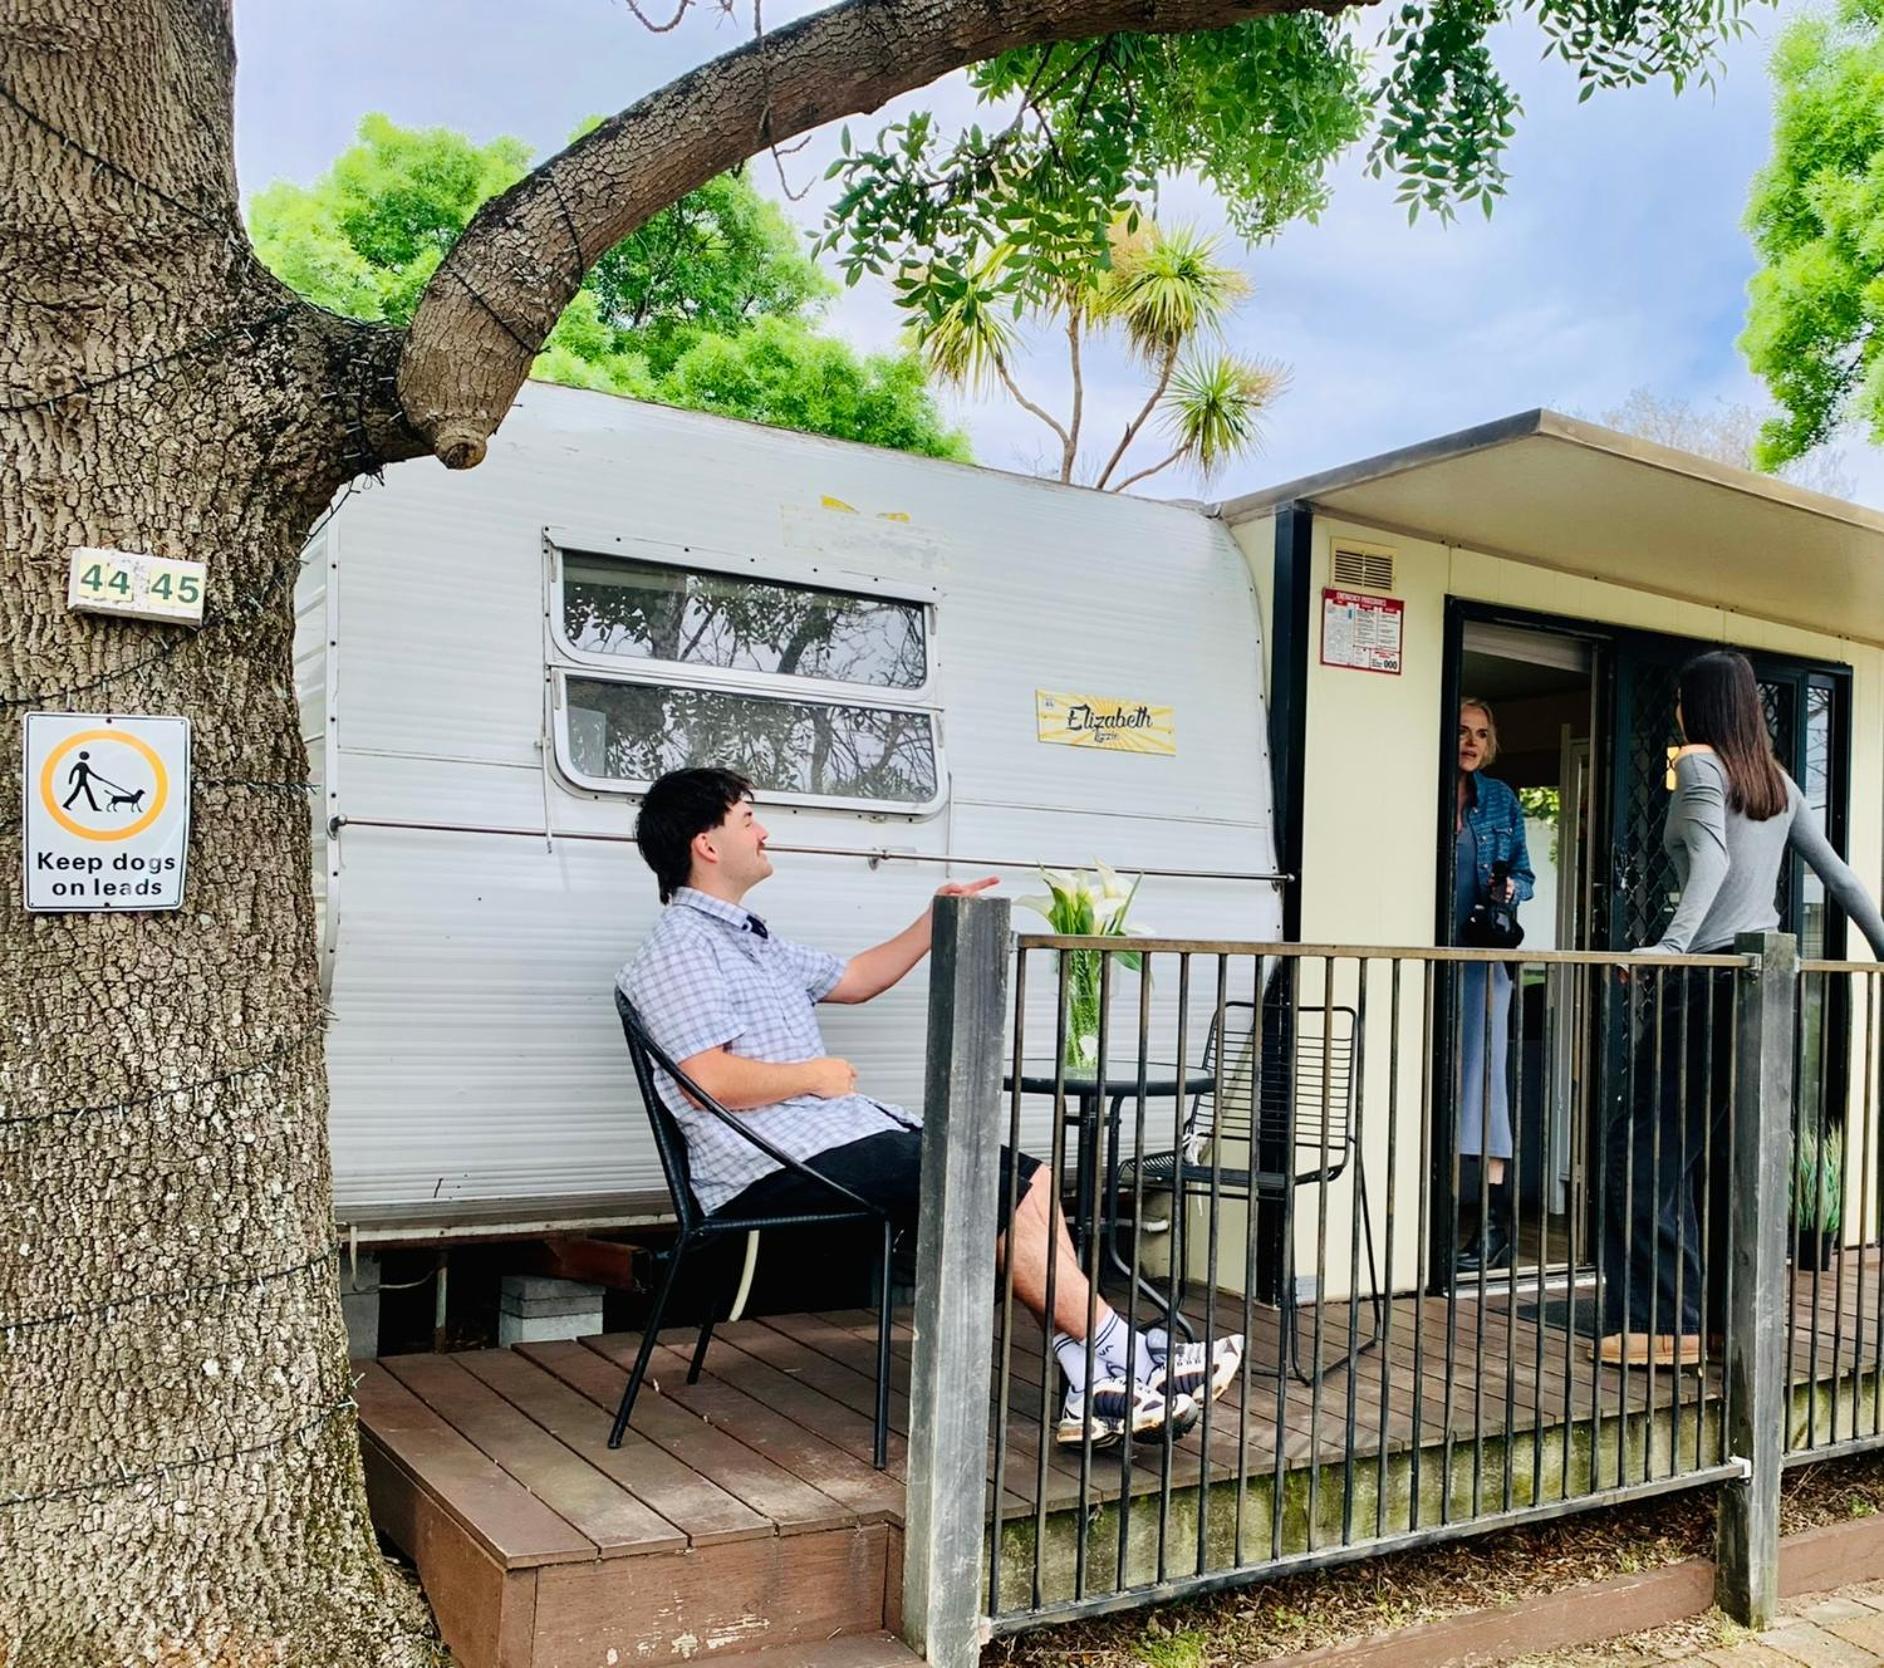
{"x": 1472, "y": 702}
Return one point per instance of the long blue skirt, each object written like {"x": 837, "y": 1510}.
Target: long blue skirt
{"x": 1484, "y": 1124}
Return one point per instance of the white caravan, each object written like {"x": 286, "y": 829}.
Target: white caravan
{"x": 492, "y": 666}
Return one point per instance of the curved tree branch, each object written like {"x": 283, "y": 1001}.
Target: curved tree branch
{"x": 502, "y": 287}
{"x": 1146, "y": 474}
{"x": 1138, "y": 422}
{"x": 1040, "y": 411}
{"x": 1071, "y": 437}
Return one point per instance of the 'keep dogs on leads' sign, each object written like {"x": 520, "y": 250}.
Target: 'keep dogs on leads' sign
{"x": 107, "y": 811}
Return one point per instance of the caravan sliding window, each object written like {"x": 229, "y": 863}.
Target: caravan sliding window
{"x": 623, "y": 735}
{"x": 816, "y": 685}
{"x": 633, "y": 609}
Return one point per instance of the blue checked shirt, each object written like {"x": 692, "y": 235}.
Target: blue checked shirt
{"x": 706, "y": 978}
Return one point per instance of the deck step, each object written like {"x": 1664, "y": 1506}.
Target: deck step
{"x": 854, "y": 1650}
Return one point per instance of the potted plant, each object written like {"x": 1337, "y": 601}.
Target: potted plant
{"x": 1080, "y": 905}
{"x": 1818, "y": 1193}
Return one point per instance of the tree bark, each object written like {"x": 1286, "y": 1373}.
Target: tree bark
{"x": 179, "y": 1472}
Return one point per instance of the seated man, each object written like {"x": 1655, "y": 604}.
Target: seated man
{"x": 733, "y": 1005}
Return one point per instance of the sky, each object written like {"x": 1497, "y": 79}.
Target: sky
{"x": 1615, "y": 263}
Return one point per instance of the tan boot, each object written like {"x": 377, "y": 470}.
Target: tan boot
{"x": 1624, "y": 1349}
{"x": 1682, "y": 1351}
{"x": 1642, "y": 1349}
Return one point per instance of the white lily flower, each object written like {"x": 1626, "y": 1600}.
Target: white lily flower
{"x": 1109, "y": 883}
{"x": 1040, "y": 905}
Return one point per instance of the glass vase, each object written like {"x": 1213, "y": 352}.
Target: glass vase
{"x": 1081, "y": 1052}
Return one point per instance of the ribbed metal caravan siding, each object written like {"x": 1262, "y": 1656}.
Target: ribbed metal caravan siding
{"x": 474, "y": 1051}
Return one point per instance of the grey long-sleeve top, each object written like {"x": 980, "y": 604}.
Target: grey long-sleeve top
{"x": 1729, "y": 865}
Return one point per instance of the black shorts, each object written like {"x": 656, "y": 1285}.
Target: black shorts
{"x": 884, "y": 1169}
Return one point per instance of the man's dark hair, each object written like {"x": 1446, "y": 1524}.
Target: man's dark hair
{"x": 680, "y": 805}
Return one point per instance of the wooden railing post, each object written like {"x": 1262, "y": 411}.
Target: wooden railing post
{"x": 946, "y": 1508}
{"x": 1747, "y": 1553}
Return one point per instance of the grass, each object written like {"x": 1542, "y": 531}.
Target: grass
{"x": 1171, "y": 1650}
{"x": 1275, "y": 1619}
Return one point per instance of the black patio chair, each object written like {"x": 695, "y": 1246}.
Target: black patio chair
{"x": 1298, "y": 1133}
{"x": 696, "y": 1227}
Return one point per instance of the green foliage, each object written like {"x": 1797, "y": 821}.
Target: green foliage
{"x": 1173, "y": 1650}
{"x": 719, "y": 259}
{"x": 365, "y": 239}
{"x": 1818, "y": 1177}
{"x": 1544, "y": 804}
{"x": 1167, "y": 288}
{"x": 711, "y": 305}
{"x": 1215, "y": 407}
{"x": 780, "y": 373}
{"x": 1815, "y": 315}
{"x": 1257, "y": 111}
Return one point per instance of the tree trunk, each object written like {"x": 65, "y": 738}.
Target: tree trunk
{"x": 179, "y": 1471}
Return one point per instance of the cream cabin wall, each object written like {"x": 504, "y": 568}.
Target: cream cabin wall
{"x": 1371, "y": 818}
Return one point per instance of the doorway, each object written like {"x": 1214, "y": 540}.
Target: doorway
{"x": 1587, "y": 731}
{"x": 1542, "y": 689}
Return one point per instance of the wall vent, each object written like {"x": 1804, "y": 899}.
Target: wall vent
{"x": 1363, "y": 570}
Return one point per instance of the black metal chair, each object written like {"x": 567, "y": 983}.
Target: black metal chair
{"x": 1298, "y": 1132}
{"x": 696, "y": 1227}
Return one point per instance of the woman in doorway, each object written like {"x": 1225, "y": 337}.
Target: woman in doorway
{"x": 1734, "y": 817}
{"x": 1490, "y": 865}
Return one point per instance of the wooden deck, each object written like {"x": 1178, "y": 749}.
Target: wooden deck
{"x": 742, "y": 1512}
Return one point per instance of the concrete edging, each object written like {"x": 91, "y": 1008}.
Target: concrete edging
{"x": 1812, "y": 1562}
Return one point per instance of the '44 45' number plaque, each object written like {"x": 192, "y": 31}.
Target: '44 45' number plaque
{"x": 136, "y": 586}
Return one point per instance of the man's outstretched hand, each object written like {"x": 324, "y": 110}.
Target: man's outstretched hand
{"x": 967, "y": 888}
{"x": 871, "y": 972}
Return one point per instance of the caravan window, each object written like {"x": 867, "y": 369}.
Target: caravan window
{"x": 624, "y": 734}
{"x": 642, "y": 610}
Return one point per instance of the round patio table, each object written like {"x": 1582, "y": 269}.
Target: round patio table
{"x": 1086, "y": 1093}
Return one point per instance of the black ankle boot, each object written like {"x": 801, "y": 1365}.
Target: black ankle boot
{"x": 1491, "y": 1247}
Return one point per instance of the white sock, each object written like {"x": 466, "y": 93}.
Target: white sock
{"x": 1108, "y": 1353}
{"x": 1109, "y": 1346}
{"x": 1071, "y": 1354}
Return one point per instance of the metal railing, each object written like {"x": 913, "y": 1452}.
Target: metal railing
{"x": 1276, "y": 1142}
{"x": 1834, "y": 1322}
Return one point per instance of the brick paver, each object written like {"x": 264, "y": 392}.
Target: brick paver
{"x": 1749, "y": 1653}
{"x": 1827, "y": 1630}
{"x": 1866, "y": 1632}
{"x": 1816, "y": 1647}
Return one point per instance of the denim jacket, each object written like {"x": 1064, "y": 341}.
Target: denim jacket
{"x": 1497, "y": 820}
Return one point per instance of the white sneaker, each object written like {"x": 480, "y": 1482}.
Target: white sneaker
{"x": 1111, "y": 1407}
{"x": 1191, "y": 1370}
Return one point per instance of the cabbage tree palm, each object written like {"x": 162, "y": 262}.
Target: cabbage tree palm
{"x": 1162, "y": 292}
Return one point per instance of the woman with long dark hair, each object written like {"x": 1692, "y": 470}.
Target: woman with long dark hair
{"x": 1734, "y": 817}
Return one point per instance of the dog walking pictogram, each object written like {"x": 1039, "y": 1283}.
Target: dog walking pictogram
{"x": 104, "y": 785}
{"x": 82, "y": 775}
